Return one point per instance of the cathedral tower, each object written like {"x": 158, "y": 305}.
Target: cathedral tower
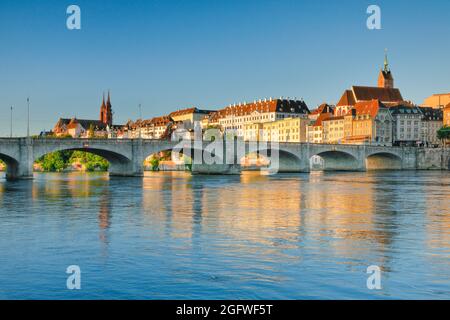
{"x": 106, "y": 111}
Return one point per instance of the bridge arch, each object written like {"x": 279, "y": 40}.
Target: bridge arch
{"x": 337, "y": 160}
{"x": 119, "y": 164}
{"x": 184, "y": 158}
{"x": 279, "y": 160}
{"x": 12, "y": 166}
{"x": 383, "y": 160}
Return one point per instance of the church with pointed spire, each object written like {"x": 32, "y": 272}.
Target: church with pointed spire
{"x": 106, "y": 114}
{"x": 384, "y": 92}
{"x": 84, "y": 128}
{"x": 385, "y": 79}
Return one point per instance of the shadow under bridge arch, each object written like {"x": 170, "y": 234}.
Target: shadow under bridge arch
{"x": 12, "y": 166}
{"x": 338, "y": 161}
{"x": 274, "y": 160}
{"x": 383, "y": 161}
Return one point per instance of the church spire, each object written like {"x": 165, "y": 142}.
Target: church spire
{"x": 385, "y": 78}
{"x": 386, "y": 62}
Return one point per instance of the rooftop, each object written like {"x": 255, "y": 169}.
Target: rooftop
{"x": 188, "y": 111}
{"x": 368, "y": 107}
{"x": 263, "y": 106}
{"x": 371, "y": 93}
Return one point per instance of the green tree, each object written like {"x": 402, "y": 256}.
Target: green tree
{"x": 90, "y": 161}
{"x": 154, "y": 162}
{"x": 53, "y": 162}
{"x": 443, "y": 134}
{"x": 60, "y": 160}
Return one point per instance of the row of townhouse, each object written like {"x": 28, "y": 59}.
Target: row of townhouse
{"x": 375, "y": 115}
{"x": 285, "y": 130}
{"x": 243, "y": 117}
{"x": 162, "y": 127}
{"x": 375, "y": 123}
{"x": 146, "y": 129}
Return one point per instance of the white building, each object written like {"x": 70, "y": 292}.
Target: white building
{"x": 407, "y": 125}
{"x": 235, "y": 117}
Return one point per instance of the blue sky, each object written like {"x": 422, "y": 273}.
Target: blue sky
{"x": 209, "y": 53}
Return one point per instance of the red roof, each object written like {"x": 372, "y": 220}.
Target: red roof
{"x": 275, "y": 105}
{"x": 182, "y": 112}
{"x": 323, "y": 108}
{"x": 347, "y": 99}
{"x": 156, "y": 122}
{"x": 321, "y": 118}
{"x": 382, "y": 94}
{"x": 72, "y": 124}
{"x": 188, "y": 111}
{"x": 360, "y": 93}
{"x": 368, "y": 108}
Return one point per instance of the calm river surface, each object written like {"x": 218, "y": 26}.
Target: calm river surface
{"x": 177, "y": 236}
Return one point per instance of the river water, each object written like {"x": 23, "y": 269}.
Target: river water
{"x": 177, "y": 236}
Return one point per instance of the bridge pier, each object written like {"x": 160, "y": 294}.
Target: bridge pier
{"x": 227, "y": 161}
{"x": 120, "y": 169}
{"x": 22, "y": 168}
{"x": 134, "y": 167}
{"x": 219, "y": 169}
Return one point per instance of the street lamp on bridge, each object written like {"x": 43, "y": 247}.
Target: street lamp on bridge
{"x": 140, "y": 124}
{"x": 10, "y": 124}
{"x": 28, "y": 117}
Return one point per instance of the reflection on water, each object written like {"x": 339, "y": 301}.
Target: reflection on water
{"x": 173, "y": 235}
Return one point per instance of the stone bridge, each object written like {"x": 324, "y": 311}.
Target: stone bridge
{"x": 126, "y": 156}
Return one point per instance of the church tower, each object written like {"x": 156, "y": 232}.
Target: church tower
{"x": 385, "y": 79}
{"x": 106, "y": 111}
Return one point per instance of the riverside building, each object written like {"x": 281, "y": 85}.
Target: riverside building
{"x": 235, "y": 117}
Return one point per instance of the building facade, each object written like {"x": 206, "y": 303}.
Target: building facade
{"x": 407, "y": 124}
{"x": 369, "y": 123}
{"x": 314, "y": 131}
{"x": 333, "y": 130}
{"x": 153, "y": 128}
{"x": 431, "y": 123}
{"x": 437, "y": 101}
{"x": 236, "y": 117}
{"x": 189, "y": 116}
